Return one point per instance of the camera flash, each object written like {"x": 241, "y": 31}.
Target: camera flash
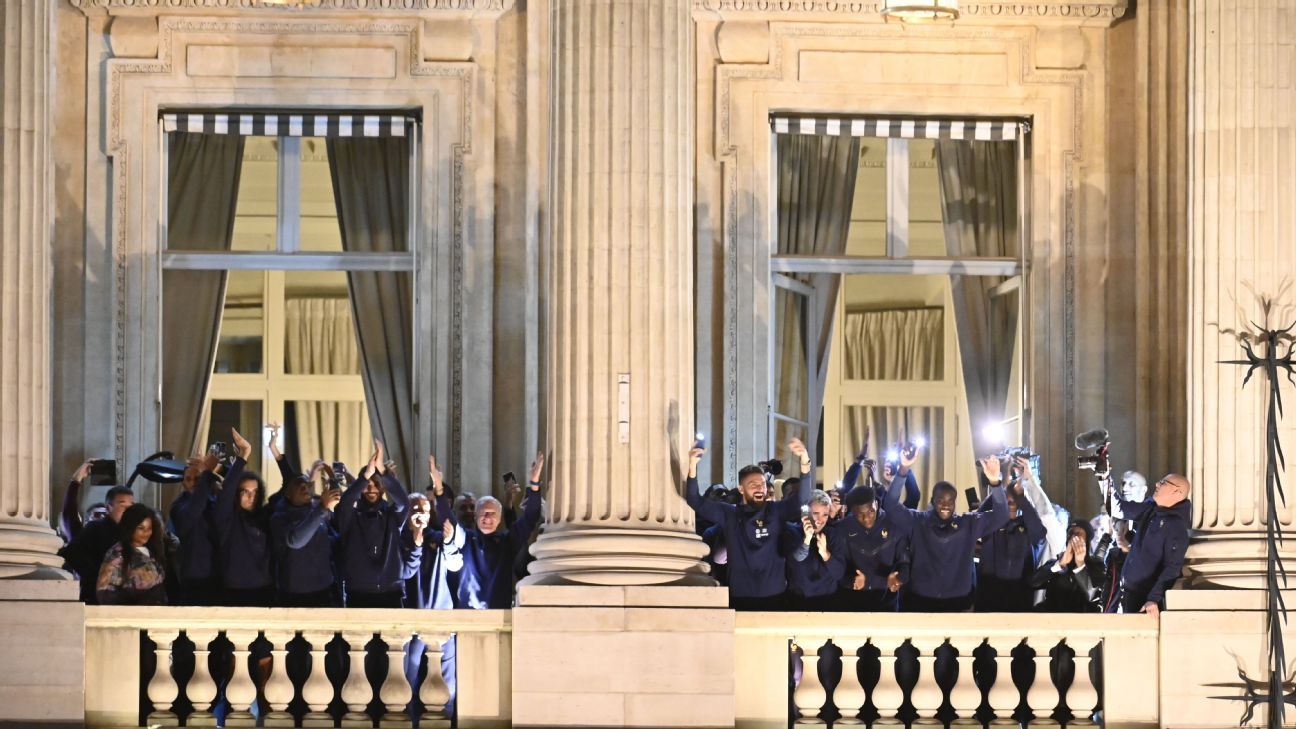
{"x": 893, "y": 455}
{"x": 994, "y": 433}
{"x": 920, "y": 442}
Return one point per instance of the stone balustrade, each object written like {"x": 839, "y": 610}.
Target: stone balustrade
{"x": 273, "y": 667}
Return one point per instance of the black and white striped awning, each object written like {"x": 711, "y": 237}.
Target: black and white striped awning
{"x": 982, "y": 129}
{"x": 288, "y": 125}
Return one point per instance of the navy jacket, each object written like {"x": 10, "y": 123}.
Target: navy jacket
{"x": 1156, "y": 557}
{"x": 427, "y": 566}
{"x": 877, "y": 552}
{"x": 191, "y": 520}
{"x": 1010, "y": 552}
{"x": 911, "y": 492}
{"x": 808, "y": 573}
{"x": 752, "y": 537}
{"x": 242, "y": 538}
{"x": 486, "y": 580}
{"x": 369, "y": 537}
{"x": 942, "y": 551}
{"x": 303, "y": 547}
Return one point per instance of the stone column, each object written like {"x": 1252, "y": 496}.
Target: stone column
{"x": 620, "y": 286}
{"x": 26, "y": 541}
{"x": 1242, "y": 133}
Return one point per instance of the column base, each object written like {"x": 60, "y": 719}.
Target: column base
{"x": 1234, "y": 559}
{"x": 610, "y": 556}
{"x": 30, "y": 551}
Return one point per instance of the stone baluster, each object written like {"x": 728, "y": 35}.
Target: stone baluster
{"x": 1003, "y": 694}
{"x": 965, "y": 696}
{"x": 201, "y": 689}
{"x": 809, "y": 695}
{"x": 241, "y": 690}
{"x": 395, "y": 692}
{"x": 1043, "y": 694}
{"x": 888, "y": 695}
{"x": 927, "y": 694}
{"x": 434, "y": 693}
{"x": 279, "y": 688}
{"x": 356, "y": 691}
{"x": 162, "y": 688}
{"x": 1082, "y": 697}
{"x": 318, "y": 691}
{"x": 849, "y": 695}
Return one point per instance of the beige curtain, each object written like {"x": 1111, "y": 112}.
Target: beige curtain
{"x": 202, "y": 192}
{"x": 320, "y": 340}
{"x": 371, "y": 189}
{"x": 896, "y": 345}
{"x": 816, "y": 188}
{"x": 978, "y": 183}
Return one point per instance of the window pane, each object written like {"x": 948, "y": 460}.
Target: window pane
{"x": 242, "y": 323}
{"x": 255, "y": 213}
{"x": 926, "y": 230}
{"x": 791, "y": 378}
{"x": 894, "y": 327}
{"x": 867, "y": 235}
{"x": 245, "y": 415}
{"x": 882, "y": 428}
{"x": 319, "y": 335}
{"x": 319, "y": 221}
{"x": 329, "y": 431}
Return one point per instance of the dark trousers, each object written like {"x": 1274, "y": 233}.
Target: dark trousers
{"x": 915, "y": 603}
{"x": 199, "y": 592}
{"x": 391, "y": 599}
{"x": 1132, "y": 599}
{"x": 323, "y": 598}
{"x": 773, "y": 603}
{"x": 256, "y": 597}
{"x": 811, "y": 603}
{"x": 867, "y": 601}
{"x": 994, "y": 595}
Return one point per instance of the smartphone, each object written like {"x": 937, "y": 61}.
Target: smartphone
{"x": 973, "y": 498}
{"x": 700, "y": 440}
{"x": 103, "y": 472}
{"x": 509, "y": 478}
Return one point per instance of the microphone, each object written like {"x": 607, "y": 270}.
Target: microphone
{"x": 1091, "y": 439}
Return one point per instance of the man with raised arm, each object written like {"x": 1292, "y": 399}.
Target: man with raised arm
{"x": 1156, "y": 556}
{"x": 1009, "y": 554}
{"x": 942, "y": 541}
{"x": 486, "y": 580}
{"x": 754, "y": 531}
{"x": 369, "y": 527}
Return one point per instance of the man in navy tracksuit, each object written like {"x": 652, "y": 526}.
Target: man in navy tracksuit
{"x": 1009, "y": 554}
{"x": 486, "y": 580}
{"x": 942, "y": 542}
{"x": 1156, "y": 557}
{"x": 817, "y": 560}
{"x": 301, "y": 530}
{"x": 753, "y": 531}
{"x": 369, "y": 531}
{"x": 877, "y": 556}
{"x": 191, "y": 521}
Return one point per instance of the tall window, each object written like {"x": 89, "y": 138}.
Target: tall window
{"x": 898, "y": 279}
{"x": 287, "y": 282}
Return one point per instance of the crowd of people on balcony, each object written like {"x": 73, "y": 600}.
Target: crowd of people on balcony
{"x": 328, "y": 538}
{"x": 864, "y": 546}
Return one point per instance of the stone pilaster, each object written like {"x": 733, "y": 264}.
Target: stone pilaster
{"x": 620, "y": 288}
{"x": 1242, "y": 133}
{"x": 26, "y": 540}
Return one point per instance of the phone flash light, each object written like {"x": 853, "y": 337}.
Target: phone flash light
{"x": 920, "y": 442}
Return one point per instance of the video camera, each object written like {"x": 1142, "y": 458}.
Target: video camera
{"x": 1098, "y": 441}
{"x": 773, "y": 467}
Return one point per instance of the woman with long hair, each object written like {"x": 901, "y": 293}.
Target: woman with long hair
{"x": 132, "y": 571}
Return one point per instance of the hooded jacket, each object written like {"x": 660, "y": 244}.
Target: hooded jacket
{"x": 242, "y": 537}
{"x": 1156, "y": 556}
{"x": 369, "y": 537}
{"x": 303, "y": 546}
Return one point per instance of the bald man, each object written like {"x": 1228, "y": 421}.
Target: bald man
{"x": 1156, "y": 557}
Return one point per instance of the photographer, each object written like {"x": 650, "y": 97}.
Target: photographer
{"x": 243, "y": 533}
{"x": 877, "y": 556}
{"x": 753, "y": 531}
{"x": 85, "y": 553}
{"x": 191, "y": 521}
{"x": 369, "y": 528}
{"x": 1009, "y": 554}
{"x": 301, "y": 530}
{"x": 943, "y": 542}
{"x": 818, "y": 562}
{"x": 489, "y": 551}
{"x": 1156, "y": 556}
{"x": 1072, "y": 583}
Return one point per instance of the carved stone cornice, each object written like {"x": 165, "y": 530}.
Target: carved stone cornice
{"x": 385, "y": 8}
{"x": 997, "y": 12}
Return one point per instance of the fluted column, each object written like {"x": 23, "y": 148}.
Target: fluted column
{"x": 619, "y": 255}
{"x": 26, "y": 540}
{"x": 1242, "y": 131}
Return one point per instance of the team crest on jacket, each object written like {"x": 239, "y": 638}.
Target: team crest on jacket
{"x": 884, "y": 534}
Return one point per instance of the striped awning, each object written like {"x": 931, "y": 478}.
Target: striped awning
{"x": 288, "y": 125}
{"x": 983, "y": 129}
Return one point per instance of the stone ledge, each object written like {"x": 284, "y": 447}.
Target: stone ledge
{"x": 20, "y": 590}
{"x": 665, "y": 596}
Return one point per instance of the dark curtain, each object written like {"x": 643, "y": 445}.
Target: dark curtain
{"x": 371, "y": 188}
{"x": 816, "y": 188}
{"x": 978, "y": 182}
{"x": 202, "y": 191}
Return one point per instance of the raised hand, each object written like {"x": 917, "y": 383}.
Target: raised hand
{"x": 799, "y": 450}
{"x": 330, "y": 498}
{"x": 860, "y": 581}
{"x": 274, "y": 439}
{"x": 695, "y": 456}
{"x": 807, "y": 527}
{"x": 447, "y": 531}
{"x": 438, "y": 479}
{"x": 537, "y": 470}
{"x": 990, "y": 465}
{"x": 83, "y": 470}
{"x": 241, "y": 444}
{"x": 380, "y": 457}
{"x": 908, "y": 456}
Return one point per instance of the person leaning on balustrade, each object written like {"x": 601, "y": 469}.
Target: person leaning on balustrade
{"x": 753, "y": 531}
{"x": 369, "y": 520}
{"x": 490, "y": 549}
{"x": 133, "y": 571}
{"x": 84, "y": 554}
{"x": 942, "y": 542}
{"x": 1156, "y": 555}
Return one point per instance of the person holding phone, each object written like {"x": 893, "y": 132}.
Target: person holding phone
{"x": 817, "y": 562}
{"x": 755, "y": 531}
{"x": 242, "y": 525}
{"x": 1009, "y": 554}
{"x": 191, "y": 522}
{"x": 490, "y": 548}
